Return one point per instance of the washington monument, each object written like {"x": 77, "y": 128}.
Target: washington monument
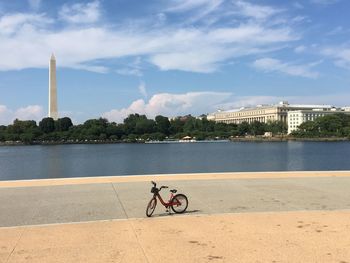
{"x": 53, "y": 113}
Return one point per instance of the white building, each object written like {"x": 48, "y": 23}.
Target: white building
{"x": 262, "y": 113}
{"x": 295, "y": 118}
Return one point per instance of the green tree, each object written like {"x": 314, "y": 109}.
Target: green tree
{"x": 144, "y": 126}
{"x": 276, "y": 127}
{"x": 329, "y": 124}
{"x": 257, "y": 128}
{"x": 47, "y": 125}
{"x": 176, "y": 126}
{"x": 243, "y": 128}
{"x": 116, "y": 130}
{"x": 131, "y": 121}
{"x": 63, "y": 124}
{"x": 162, "y": 124}
{"x": 27, "y": 138}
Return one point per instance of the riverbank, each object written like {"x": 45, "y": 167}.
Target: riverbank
{"x": 284, "y": 139}
{"x": 236, "y": 139}
{"x": 173, "y": 177}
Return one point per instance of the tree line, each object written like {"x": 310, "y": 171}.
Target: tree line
{"x": 135, "y": 128}
{"x": 334, "y": 125}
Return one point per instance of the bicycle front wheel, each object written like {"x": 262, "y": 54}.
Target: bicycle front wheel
{"x": 151, "y": 206}
{"x": 180, "y": 203}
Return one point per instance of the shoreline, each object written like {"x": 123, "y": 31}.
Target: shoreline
{"x": 172, "y": 177}
{"x": 240, "y": 139}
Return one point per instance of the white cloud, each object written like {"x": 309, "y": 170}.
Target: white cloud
{"x": 91, "y": 68}
{"x": 255, "y": 11}
{"x": 198, "y": 9}
{"x": 337, "y": 30}
{"x": 5, "y": 115}
{"x": 142, "y": 89}
{"x": 34, "y": 4}
{"x": 171, "y": 105}
{"x": 133, "y": 69}
{"x": 273, "y": 65}
{"x": 129, "y": 71}
{"x": 189, "y": 5}
{"x": 21, "y": 23}
{"x": 300, "y": 49}
{"x": 186, "y": 49}
{"x": 340, "y": 55}
{"x": 324, "y": 2}
{"x": 81, "y": 13}
{"x": 297, "y": 5}
{"x": 31, "y": 112}
{"x": 169, "y": 47}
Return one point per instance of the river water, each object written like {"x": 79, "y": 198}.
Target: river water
{"x": 58, "y": 161}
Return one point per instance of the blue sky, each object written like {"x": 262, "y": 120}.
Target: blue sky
{"x": 171, "y": 57}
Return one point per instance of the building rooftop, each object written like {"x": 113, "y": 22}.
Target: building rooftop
{"x": 281, "y": 104}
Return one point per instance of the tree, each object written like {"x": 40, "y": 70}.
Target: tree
{"x": 19, "y": 126}
{"x": 131, "y": 121}
{"x": 176, "y": 126}
{"x": 162, "y": 124}
{"x": 63, "y": 124}
{"x": 243, "y": 128}
{"x": 257, "y": 128}
{"x": 329, "y": 124}
{"x": 117, "y": 131}
{"x": 276, "y": 127}
{"x": 47, "y": 125}
{"x": 144, "y": 126}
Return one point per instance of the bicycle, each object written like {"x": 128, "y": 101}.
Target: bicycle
{"x": 178, "y": 203}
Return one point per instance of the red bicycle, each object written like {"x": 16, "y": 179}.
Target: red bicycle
{"x": 178, "y": 203}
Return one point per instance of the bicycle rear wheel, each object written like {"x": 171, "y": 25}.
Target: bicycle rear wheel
{"x": 180, "y": 203}
{"x": 151, "y": 206}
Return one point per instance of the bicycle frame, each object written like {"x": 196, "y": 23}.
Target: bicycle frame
{"x": 169, "y": 203}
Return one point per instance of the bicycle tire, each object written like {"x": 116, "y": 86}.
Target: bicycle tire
{"x": 179, "y": 209}
{"x": 151, "y": 207}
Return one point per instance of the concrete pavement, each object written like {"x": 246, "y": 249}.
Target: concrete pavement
{"x": 262, "y": 217}
{"x": 316, "y": 236}
{"x": 103, "y": 201}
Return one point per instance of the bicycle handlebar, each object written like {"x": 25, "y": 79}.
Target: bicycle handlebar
{"x": 155, "y": 185}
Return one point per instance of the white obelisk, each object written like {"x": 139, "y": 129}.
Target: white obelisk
{"x": 53, "y": 113}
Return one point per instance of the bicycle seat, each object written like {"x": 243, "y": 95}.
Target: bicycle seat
{"x": 173, "y": 191}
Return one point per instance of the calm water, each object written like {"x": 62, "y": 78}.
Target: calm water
{"x": 29, "y": 162}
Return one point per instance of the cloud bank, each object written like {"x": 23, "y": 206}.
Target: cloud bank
{"x": 31, "y": 112}
{"x": 171, "y": 105}
{"x": 168, "y": 46}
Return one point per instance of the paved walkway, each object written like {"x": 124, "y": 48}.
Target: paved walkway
{"x": 277, "y": 217}
{"x": 37, "y": 205}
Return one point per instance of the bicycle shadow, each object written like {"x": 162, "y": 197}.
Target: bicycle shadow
{"x": 174, "y": 214}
